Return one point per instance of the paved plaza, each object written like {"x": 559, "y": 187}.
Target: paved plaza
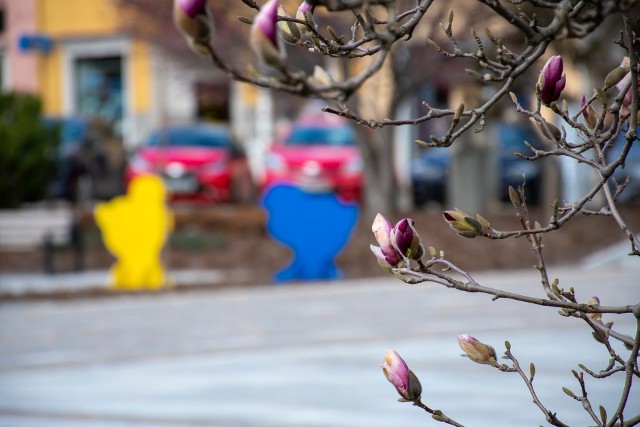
{"x": 299, "y": 355}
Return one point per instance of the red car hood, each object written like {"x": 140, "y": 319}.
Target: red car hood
{"x": 327, "y": 156}
{"x": 189, "y": 156}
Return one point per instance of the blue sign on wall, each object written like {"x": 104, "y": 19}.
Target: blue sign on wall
{"x": 37, "y": 42}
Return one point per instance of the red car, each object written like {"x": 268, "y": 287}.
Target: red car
{"x": 196, "y": 161}
{"x": 318, "y": 154}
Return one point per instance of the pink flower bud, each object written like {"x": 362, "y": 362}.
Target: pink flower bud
{"x": 381, "y": 228}
{"x": 477, "y": 351}
{"x": 551, "y": 80}
{"x": 302, "y": 10}
{"x": 628, "y": 97}
{"x": 406, "y": 240}
{"x": 192, "y": 19}
{"x": 264, "y": 36}
{"x": 398, "y": 373}
{"x": 192, "y": 7}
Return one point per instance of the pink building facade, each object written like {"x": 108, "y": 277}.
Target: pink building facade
{"x": 18, "y": 67}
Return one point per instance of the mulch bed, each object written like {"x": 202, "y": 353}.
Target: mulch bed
{"x": 234, "y": 237}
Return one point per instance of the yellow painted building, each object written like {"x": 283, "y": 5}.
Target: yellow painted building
{"x": 93, "y": 67}
{"x": 81, "y": 57}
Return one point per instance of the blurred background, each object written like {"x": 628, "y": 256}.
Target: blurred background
{"x": 97, "y": 93}
{"x": 94, "y": 93}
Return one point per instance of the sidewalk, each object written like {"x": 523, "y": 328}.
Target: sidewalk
{"x": 301, "y": 355}
{"x": 92, "y": 282}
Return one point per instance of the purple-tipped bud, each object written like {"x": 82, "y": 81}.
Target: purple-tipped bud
{"x": 264, "y": 36}
{"x": 588, "y": 113}
{"x": 192, "y": 19}
{"x": 302, "y": 11}
{"x": 193, "y": 8}
{"x": 477, "y": 351}
{"x": 462, "y": 223}
{"x": 381, "y": 228}
{"x": 551, "y": 80}
{"x": 398, "y": 373}
{"x": 406, "y": 240}
{"x": 594, "y": 300}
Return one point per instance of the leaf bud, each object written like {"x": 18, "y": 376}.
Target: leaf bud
{"x": 476, "y": 350}
{"x": 463, "y": 224}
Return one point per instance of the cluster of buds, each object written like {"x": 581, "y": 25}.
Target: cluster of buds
{"x": 477, "y": 351}
{"x": 192, "y": 20}
{"x": 403, "y": 379}
{"x": 551, "y": 81}
{"x": 397, "y": 244}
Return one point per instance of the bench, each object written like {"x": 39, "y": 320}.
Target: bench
{"x": 29, "y": 229}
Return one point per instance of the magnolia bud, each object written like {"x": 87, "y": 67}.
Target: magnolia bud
{"x": 263, "y": 36}
{"x": 628, "y": 96}
{"x": 288, "y": 30}
{"x": 477, "y": 351}
{"x": 381, "y": 228}
{"x": 191, "y": 17}
{"x": 588, "y": 113}
{"x": 462, "y": 223}
{"x": 594, "y": 300}
{"x": 551, "y": 80}
{"x": 406, "y": 240}
{"x": 398, "y": 373}
{"x": 304, "y": 9}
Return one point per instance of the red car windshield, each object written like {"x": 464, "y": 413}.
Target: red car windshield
{"x": 191, "y": 137}
{"x": 335, "y": 136}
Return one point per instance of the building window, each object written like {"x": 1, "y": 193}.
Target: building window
{"x": 99, "y": 89}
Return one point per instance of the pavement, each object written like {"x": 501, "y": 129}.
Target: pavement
{"x": 301, "y": 354}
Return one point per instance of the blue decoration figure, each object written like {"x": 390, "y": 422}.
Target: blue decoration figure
{"x": 316, "y": 226}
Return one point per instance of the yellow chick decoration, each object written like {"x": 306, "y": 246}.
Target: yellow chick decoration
{"x": 134, "y": 229}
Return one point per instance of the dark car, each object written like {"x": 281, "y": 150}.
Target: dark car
{"x": 514, "y": 171}
{"x": 430, "y": 170}
{"x": 72, "y": 132}
{"x": 429, "y": 173}
{"x": 196, "y": 161}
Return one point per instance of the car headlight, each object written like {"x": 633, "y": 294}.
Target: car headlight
{"x": 275, "y": 163}
{"x": 353, "y": 166}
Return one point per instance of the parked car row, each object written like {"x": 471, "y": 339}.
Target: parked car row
{"x": 203, "y": 163}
